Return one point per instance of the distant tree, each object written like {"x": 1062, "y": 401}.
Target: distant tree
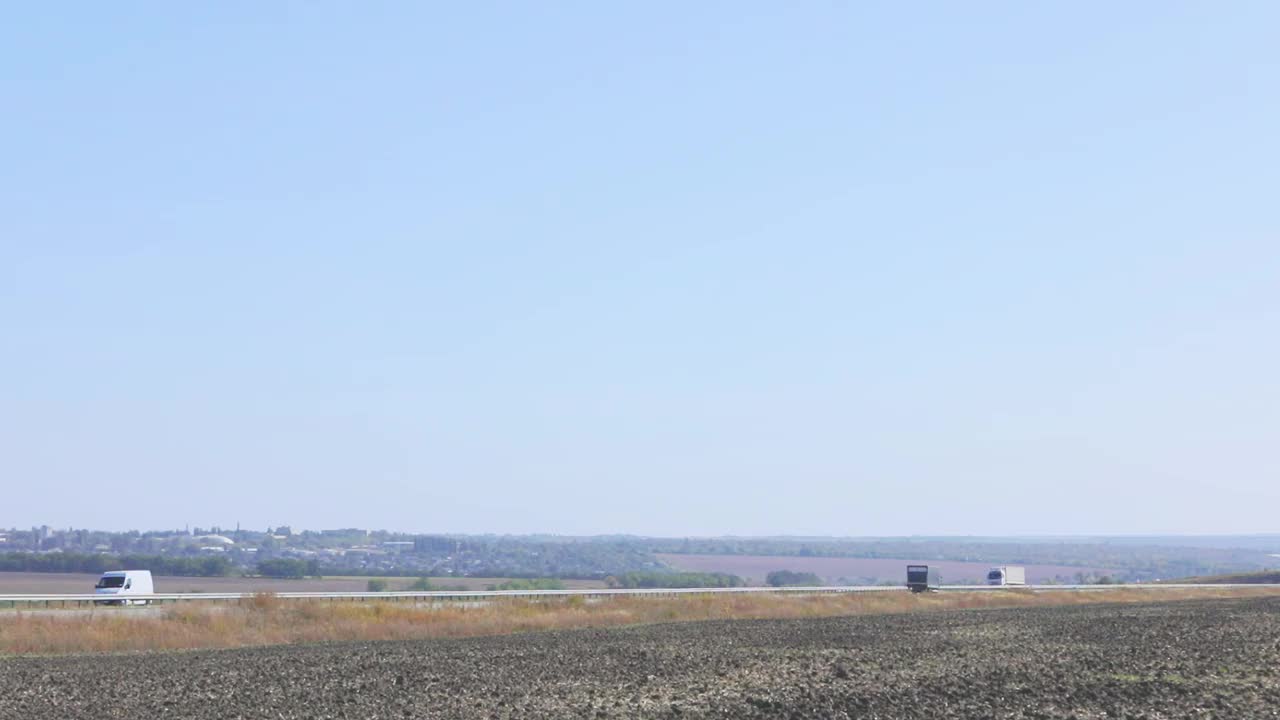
{"x": 530, "y": 584}
{"x": 678, "y": 580}
{"x": 377, "y": 585}
{"x": 422, "y": 584}
{"x": 283, "y": 568}
{"x": 214, "y": 566}
{"x": 787, "y": 578}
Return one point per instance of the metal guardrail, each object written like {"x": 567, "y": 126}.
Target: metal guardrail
{"x": 480, "y": 595}
{"x": 430, "y": 595}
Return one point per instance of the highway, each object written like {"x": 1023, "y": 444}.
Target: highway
{"x": 75, "y": 600}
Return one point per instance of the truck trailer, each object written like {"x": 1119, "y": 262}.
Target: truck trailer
{"x": 922, "y": 578}
{"x": 122, "y": 587}
{"x": 1007, "y": 575}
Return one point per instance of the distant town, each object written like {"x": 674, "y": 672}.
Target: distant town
{"x": 283, "y": 552}
{"x": 279, "y": 551}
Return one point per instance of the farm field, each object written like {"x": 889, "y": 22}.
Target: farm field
{"x": 1188, "y": 659}
{"x": 754, "y": 568}
{"x": 66, "y": 583}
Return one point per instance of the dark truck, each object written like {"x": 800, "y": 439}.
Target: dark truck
{"x": 922, "y": 578}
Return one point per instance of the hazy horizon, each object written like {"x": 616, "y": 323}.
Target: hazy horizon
{"x": 294, "y": 529}
{"x": 666, "y": 270}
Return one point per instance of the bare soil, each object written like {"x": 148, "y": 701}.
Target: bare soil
{"x": 1192, "y": 659}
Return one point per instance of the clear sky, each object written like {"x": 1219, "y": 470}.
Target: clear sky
{"x": 664, "y": 267}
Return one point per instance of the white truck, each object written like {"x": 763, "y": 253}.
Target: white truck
{"x": 123, "y": 586}
{"x": 1007, "y": 575}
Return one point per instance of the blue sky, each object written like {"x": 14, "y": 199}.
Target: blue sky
{"x": 663, "y": 268}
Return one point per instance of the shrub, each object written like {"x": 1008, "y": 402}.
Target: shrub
{"x": 377, "y": 585}
{"x": 264, "y": 601}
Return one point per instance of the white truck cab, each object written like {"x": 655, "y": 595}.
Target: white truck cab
{"x": 123, "y": 585}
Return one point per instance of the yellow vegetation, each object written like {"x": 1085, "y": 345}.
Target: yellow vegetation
{"x": 267, "y": 620}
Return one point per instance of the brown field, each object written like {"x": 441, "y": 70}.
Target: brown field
{"x": 754, "y": 568}
{"x": 12, "y": 583}
{"x": 268, "y": 620}
{"x": 1191, "y": 660}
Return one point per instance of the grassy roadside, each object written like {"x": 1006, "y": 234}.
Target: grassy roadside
{"x": 1262, "y": 576}
{"x": 268, "y": 620}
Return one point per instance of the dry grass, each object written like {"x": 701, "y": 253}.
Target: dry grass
{"x": 268, "y": 620}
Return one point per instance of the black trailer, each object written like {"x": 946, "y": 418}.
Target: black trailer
{"x": 922, "y": 578}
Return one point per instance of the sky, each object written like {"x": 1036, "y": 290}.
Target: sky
{"x": 662, "y": 268}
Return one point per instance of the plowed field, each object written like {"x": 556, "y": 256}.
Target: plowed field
{"x": 1194, "y": 659}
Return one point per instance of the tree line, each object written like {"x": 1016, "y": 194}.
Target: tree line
{"x": 790, "y": 578}
{"x": 674, "y": 580}
{"x": 211, "y": 566}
